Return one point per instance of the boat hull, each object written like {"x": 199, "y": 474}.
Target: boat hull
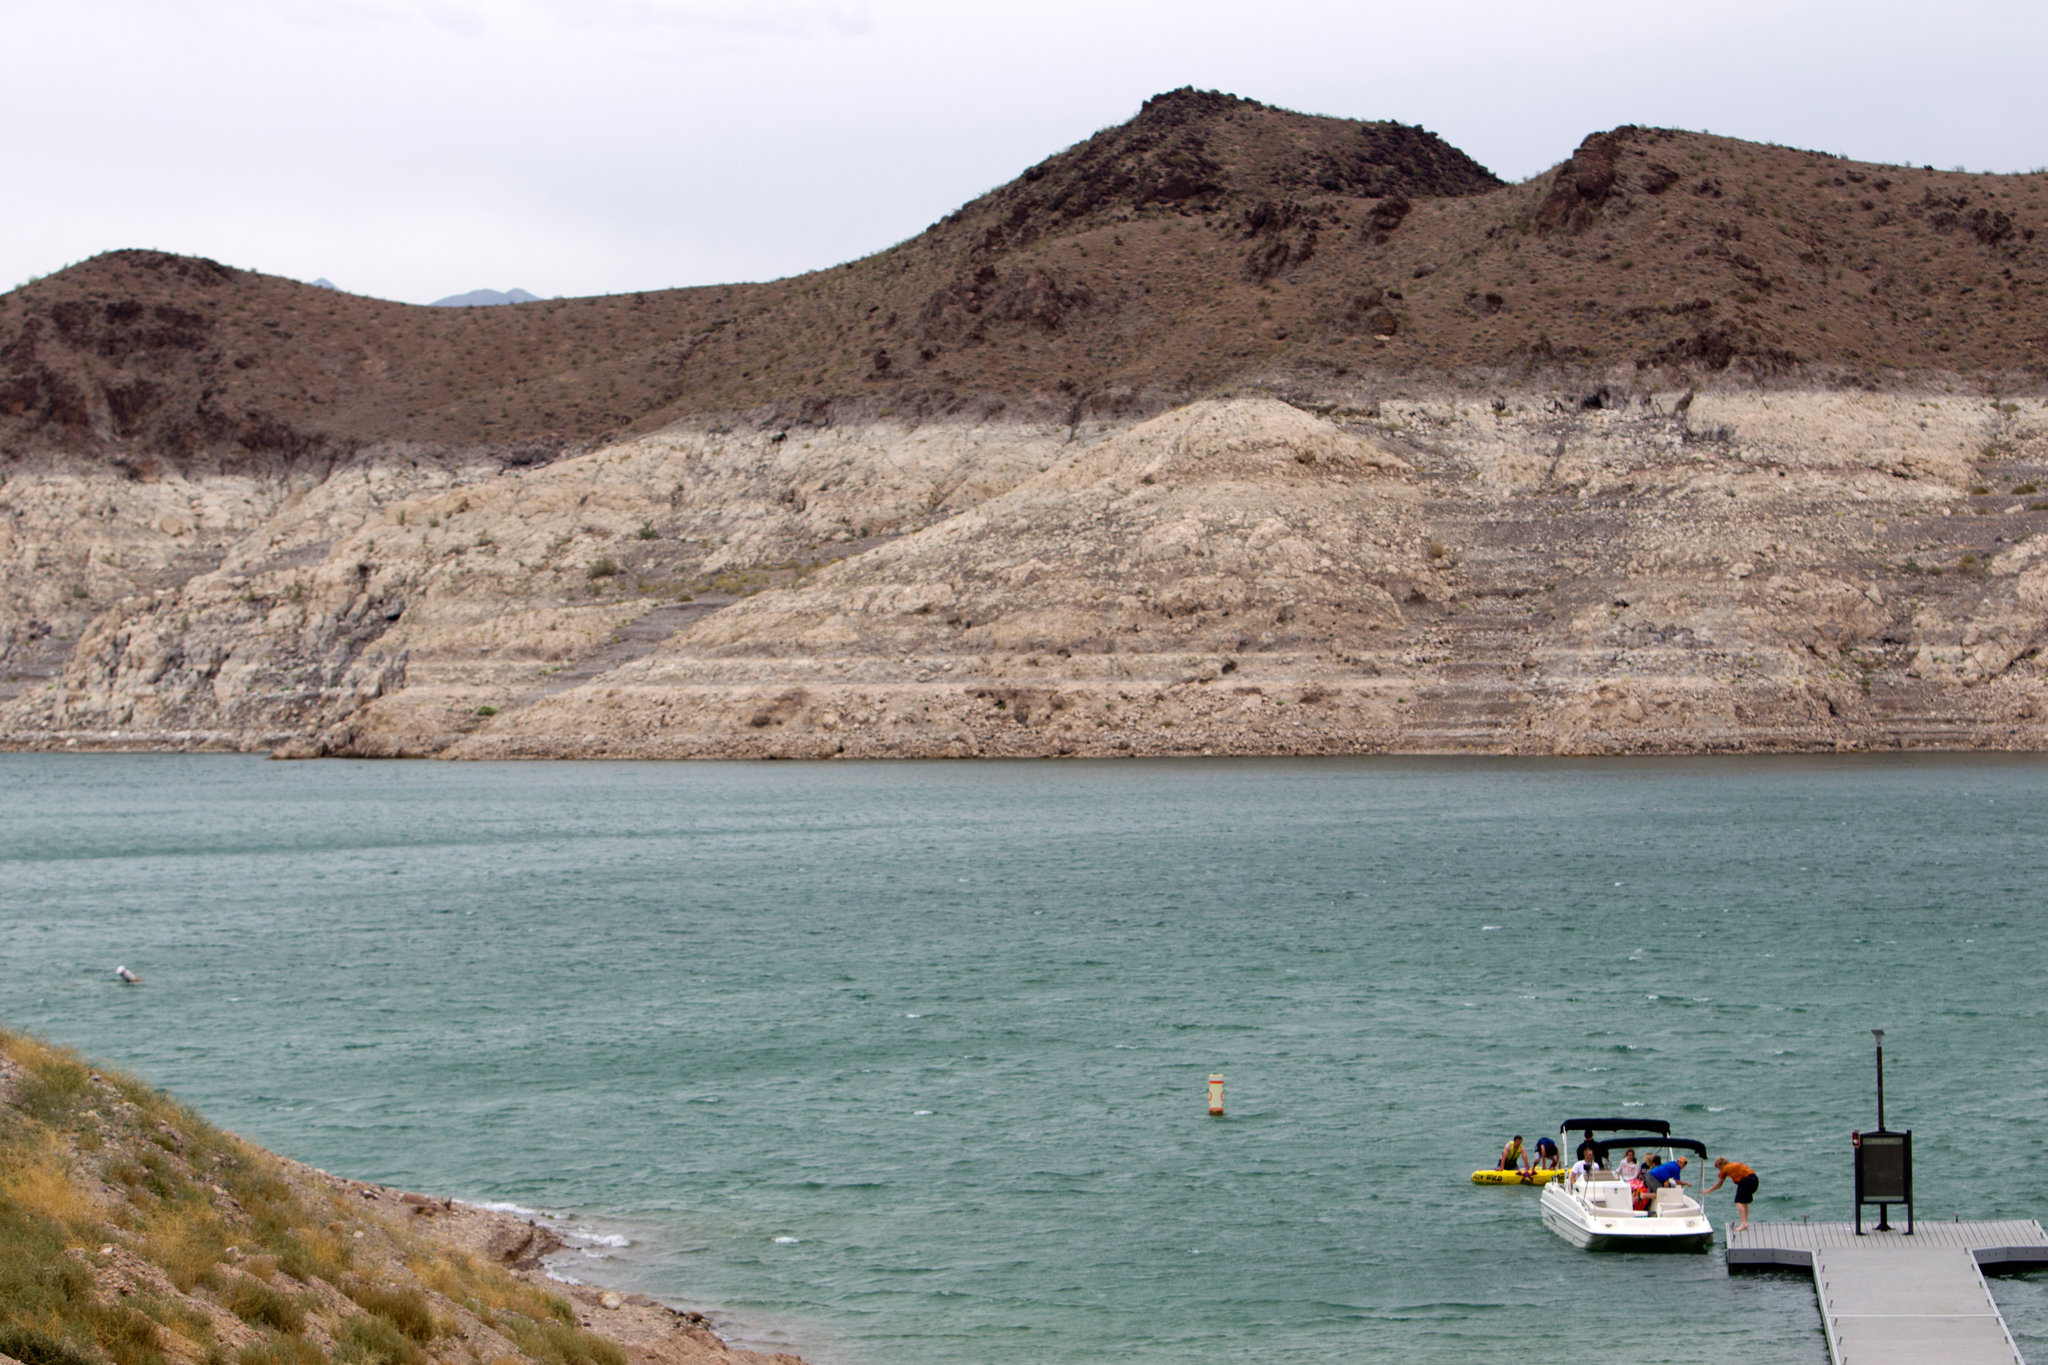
{"x": 1563, "y": 1216}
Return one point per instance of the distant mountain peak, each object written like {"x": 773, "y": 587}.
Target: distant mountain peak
{"x": 484, "y": 298}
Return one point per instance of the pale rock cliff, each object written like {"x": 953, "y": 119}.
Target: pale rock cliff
{"x": 1671, "y": 572}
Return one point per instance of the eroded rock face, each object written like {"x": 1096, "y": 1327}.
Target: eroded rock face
{"x": 1655, "y": 572}
{"x": 234, "y": 613}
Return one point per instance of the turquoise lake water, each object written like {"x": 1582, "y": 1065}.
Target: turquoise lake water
{"x": 907, "y": 1062}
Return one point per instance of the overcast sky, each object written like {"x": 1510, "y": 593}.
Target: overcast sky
{"x": 415, "y": 148}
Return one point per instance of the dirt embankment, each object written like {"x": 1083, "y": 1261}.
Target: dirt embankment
{"x": 134, "y": 1233}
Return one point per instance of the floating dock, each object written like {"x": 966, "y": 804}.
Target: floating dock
{"x": 1887, "y": 1298}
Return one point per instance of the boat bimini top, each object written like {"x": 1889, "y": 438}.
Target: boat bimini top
{"x": 1602, "y": 1146}
{"x": 1657, "y": 1126}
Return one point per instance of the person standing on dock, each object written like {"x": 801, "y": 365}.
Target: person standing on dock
{"x": 1745, "y": 1186}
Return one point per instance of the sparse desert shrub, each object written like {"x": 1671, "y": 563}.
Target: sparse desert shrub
{"x": 55, "y": 1083}
{"x": 280, "y": 1350}
{"x": 647, "y": 531}
{"x": 31, "y": 1347}
{"x": 487, "y": 710}
{"x": 33, "y": 1177}
{"x": 258, "y": 1304}
{"x": 126, "y": 1336}
{"x": 561, "y": 1343}
{"x": 604, "y": 566}
{"x": 369, "y": 1340}
{"x": 307, "y": 1254}
{"x": 405, "y": 1310}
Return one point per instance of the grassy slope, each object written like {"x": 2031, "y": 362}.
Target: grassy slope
{"x": 133, "y": 1232}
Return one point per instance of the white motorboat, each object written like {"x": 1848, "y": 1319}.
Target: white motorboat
{"x": 1603, "y": 1212}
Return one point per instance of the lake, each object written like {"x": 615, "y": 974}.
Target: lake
{"x": 907, "y": 1062}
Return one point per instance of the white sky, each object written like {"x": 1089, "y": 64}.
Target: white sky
{"x": 416, "y": 148}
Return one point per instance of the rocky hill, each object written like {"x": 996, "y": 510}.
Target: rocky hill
{"x": 1209, "y": 241}
{"x": 1229, "y": 429}
{"x": 132, "y": 1232}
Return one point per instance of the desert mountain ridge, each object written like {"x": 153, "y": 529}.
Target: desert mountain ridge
{"x": 1227, "y": 430}
{"x": 1209, "y": 244}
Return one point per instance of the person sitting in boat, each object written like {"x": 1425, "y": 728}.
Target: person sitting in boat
{"x": 1512, "y": 1157}
{"x": 1582, "y": 1171}
{"x": 1547, "y": 1158}
{"x": 1629, "y": 1168}
{"x": 1665, "y": 1173}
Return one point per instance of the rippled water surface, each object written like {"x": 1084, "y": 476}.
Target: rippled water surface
{"x": 906, "y": 1062}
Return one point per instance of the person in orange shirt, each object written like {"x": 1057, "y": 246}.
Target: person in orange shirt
{"x": 1745, "y": 1186}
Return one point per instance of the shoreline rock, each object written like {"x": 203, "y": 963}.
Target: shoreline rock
{"x": 649, "y": 1331}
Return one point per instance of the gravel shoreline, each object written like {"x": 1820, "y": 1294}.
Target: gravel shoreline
{"x": 648, "y": 1331}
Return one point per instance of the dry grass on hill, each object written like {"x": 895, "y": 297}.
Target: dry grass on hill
{"x": 132, "y": 1232}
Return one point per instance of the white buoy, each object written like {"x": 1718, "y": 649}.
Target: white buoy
{"x": 127, "y": 976}
{"x": 1216, "y": 1095}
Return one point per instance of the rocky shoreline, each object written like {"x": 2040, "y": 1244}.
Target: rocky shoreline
{"x": 649, "y": 1331}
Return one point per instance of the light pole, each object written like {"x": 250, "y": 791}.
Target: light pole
{"x": 1878, "y": 1034}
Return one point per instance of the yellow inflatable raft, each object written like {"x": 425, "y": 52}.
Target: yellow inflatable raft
{"x": 1515, "y": 1177}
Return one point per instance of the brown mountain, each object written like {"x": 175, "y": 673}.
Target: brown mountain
{"x": 1208, "y": 243}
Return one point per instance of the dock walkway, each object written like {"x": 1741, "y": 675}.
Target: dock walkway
{"x": 1890, "y": 1299}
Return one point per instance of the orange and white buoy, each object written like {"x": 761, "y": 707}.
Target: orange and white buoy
{"x": 1216, "y": 1096}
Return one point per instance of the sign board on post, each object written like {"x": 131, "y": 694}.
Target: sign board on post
{"x": 1884, "y": 1175}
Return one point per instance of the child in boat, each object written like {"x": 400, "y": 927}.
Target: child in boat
{"x": 1629, "y": 1168}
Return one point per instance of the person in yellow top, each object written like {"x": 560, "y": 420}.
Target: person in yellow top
{"x": 1512, "y": 1157}
{"x": 1745, "y": 1186}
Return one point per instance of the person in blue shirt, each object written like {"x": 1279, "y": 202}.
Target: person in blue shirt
{"x": 1546, "y": 1154}
{"x": 1664, "y": 1173}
